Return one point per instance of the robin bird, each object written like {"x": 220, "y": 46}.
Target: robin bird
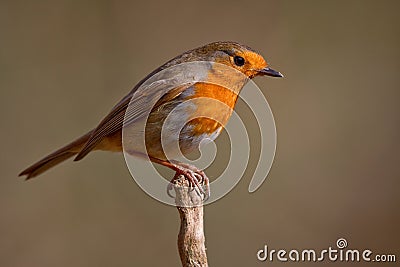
{"x": 108, "y": 134}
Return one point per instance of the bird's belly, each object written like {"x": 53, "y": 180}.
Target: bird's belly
{"x": 179, "y": 126}
{"x": 167, "y": 137}
{"x": 181, "y": 133}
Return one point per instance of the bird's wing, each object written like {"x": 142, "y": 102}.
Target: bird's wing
{"x": 141, "y": 100}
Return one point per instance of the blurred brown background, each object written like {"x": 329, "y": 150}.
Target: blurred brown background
{"x": 64, "y": 64}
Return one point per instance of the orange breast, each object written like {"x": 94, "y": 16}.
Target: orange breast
{"x": 217, "y": 92}
{"x": 214, "y": 108}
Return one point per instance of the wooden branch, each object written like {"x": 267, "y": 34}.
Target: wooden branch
{"x": 191, "y": 238}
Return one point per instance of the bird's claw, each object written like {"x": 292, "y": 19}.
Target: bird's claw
{"x": 197, "y": 181}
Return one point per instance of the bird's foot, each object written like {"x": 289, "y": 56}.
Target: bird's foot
{"x": 197, "y": 179}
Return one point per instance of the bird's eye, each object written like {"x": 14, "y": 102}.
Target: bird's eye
{"x": 239, "y": 61}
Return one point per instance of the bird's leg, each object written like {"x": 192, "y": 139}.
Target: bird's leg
{"x": 196, "y": 177}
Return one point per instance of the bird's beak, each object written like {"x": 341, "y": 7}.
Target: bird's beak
{"x": 270, "y": 72}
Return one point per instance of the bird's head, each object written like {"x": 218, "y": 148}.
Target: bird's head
{"x": 235, "y": 55}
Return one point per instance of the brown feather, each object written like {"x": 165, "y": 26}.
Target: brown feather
{"x": 56, "y": 157}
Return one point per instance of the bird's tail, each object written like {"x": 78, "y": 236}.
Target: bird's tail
{"x": 56, "y": 157}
